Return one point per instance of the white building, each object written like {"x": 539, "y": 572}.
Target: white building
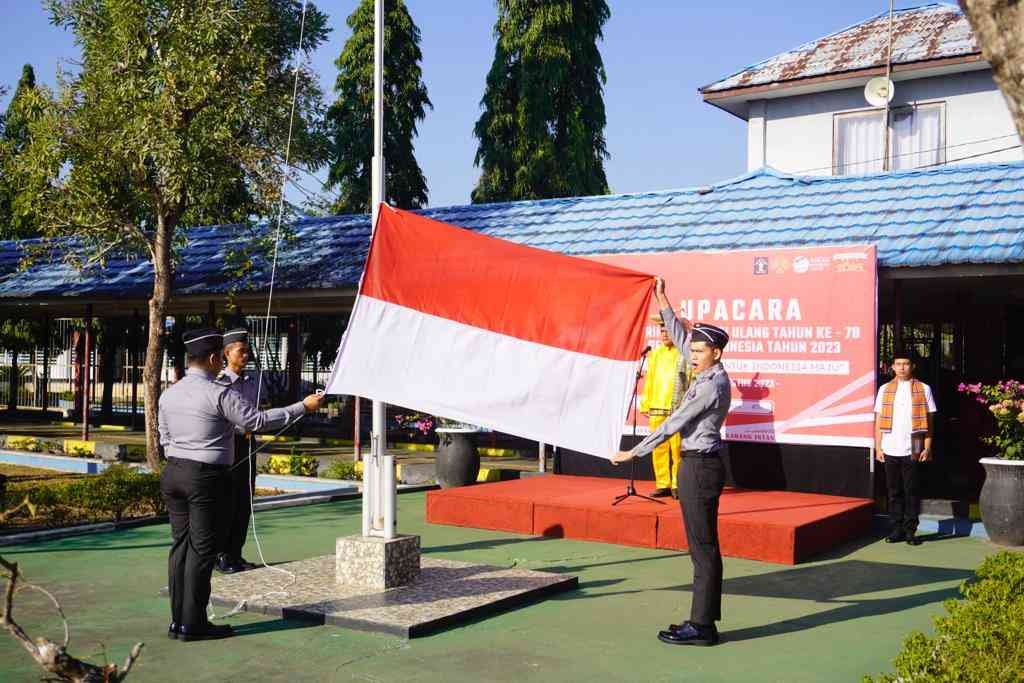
{"x": 806, "y": 112}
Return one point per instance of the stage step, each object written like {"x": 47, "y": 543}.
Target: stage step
{"x": 771, "y": 526}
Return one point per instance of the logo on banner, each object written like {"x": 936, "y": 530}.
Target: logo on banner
{"x": 760, "y": 265}
{"x": 850, "y": 262}
{"x": 816, "y": 264}
{"x": 780, "y": 264}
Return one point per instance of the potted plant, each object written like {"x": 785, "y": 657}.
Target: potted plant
{"x": 1002, "y": 496}
{"x": 457, "y": 462}
{"x": 416, "y": 427}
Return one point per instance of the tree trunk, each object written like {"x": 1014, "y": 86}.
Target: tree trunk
{"x": 998, "y": 27}
{"x": 78, "y": 344}
{"x": 109, "y": 360}
{"x": 294, "y": 362}
{"x": 162, "y": 281}
{"x": 14, "y": 384}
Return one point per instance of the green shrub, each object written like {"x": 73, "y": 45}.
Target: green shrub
{"x": 342, "y": 469}
{"x": 113, "y": 494}
{"x": 981, "y": 638}
{"x": 115, "y": 491}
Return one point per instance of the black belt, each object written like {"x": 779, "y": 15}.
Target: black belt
{"x": 195, "y": 464}
{"x": 700, "y": 454}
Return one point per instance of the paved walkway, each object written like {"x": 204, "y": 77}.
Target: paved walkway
{"x": 834, "y": 619}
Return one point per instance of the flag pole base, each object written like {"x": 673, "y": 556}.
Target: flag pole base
{"x": 377, "y": 563}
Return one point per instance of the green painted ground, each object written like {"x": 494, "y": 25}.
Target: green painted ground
{"x": 834, "y": 619}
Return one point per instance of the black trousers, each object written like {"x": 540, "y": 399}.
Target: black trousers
{"x": 243, "y": 482}
{"x": 904, "y": 501}
{"x": 701, "y": 480}
{"x": 195, "y": 495}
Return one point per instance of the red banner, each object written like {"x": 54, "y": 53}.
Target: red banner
{"x": 802, "y": 326}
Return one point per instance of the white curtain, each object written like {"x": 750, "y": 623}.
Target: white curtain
{"x": 916, "y": 137}
{"x": 859, "y": 141}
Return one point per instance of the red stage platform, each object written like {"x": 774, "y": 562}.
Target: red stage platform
{"x": 771, "y": 526}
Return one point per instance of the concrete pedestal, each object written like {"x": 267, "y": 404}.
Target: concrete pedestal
{"x": 377, "y": 563}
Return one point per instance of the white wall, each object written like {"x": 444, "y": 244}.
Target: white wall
{"x": 794, "y": 134}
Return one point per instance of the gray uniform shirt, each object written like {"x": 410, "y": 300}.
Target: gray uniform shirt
{"x": 700, "y": 416}
{"x": 245, "y": 385}
{"x": 198, "y": 417}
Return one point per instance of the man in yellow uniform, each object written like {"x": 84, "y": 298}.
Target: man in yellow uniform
{"x": 664, "y": 386}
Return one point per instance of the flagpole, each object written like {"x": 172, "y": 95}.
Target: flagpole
{"x": 380, "y": 486}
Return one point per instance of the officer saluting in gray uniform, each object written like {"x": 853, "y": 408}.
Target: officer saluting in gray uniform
{"x": 197, "y": 420}
{"x": 699, "y": 420}
{"x": 237, "y": 353}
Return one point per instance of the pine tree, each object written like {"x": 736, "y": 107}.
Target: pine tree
{"x": 15, "y": 220}
{"x": 350, "y": 118}
{"x": 542, "y": 129}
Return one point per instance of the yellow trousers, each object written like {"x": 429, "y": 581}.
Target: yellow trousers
{"x": 665, "y": 457}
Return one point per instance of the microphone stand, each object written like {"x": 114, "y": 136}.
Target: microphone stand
{"x": 631, "y": 487}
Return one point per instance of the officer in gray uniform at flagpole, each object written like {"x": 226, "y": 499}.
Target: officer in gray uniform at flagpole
{"x": 699, "y": 420}
{"x": 197, "y": 419}
{"x": 237, "y": 354}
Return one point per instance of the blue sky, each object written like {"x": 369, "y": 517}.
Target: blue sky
{"x": 656, "y": 53}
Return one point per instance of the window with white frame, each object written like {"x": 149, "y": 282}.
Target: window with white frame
{"x": 915, "y": 139}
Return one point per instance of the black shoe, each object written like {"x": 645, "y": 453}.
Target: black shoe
{"x": 689, "y": 634}
{"x": 172, "y": 631}
{"x": 661, "y": 493}
{"x": 205, "y": 632}
{"x": 912, "y": 539}
{"x": 675, "y": 493}
{"x": 244, "y": 565}
{"x": 895, "y": 537}
{"x": 224, "y": 565}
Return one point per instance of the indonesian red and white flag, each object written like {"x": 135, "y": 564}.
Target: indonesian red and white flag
{"x": 497, "y": 334}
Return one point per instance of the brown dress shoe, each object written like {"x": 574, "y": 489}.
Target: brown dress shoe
{"x": 661, "y": 493}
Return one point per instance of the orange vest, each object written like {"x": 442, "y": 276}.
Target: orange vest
{"x": 918, "y": 407}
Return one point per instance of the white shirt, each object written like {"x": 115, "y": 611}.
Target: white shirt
{"x": 897, "y": 442}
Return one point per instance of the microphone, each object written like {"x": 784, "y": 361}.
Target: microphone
{"x": 647, "y": 349}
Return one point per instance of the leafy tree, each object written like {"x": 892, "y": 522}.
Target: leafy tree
{"x": 542, "y": 129}
{"x": 15, "y": 222}
{"x": 178, "y": 116}
{"x": 350, "y": 118}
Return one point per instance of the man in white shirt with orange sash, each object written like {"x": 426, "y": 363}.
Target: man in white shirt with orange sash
{"x": 904, "y": 410}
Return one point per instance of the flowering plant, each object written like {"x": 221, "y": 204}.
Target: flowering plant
{"x": 1005, "y": 401}
{"x": 419, "y": 421}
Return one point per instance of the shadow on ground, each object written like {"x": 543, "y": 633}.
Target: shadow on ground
{"x": 829, "y": 583}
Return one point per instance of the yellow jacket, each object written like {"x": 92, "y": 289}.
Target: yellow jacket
{"x": 665, "y": 381}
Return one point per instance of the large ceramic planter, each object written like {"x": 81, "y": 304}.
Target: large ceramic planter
{"x": 1002, "y": 501}
{"x": 457, "y": 462}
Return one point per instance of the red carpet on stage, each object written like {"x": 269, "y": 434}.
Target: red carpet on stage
{"x": 771, "y": 526}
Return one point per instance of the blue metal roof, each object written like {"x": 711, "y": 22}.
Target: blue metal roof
{"x": 939, "y": 216}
